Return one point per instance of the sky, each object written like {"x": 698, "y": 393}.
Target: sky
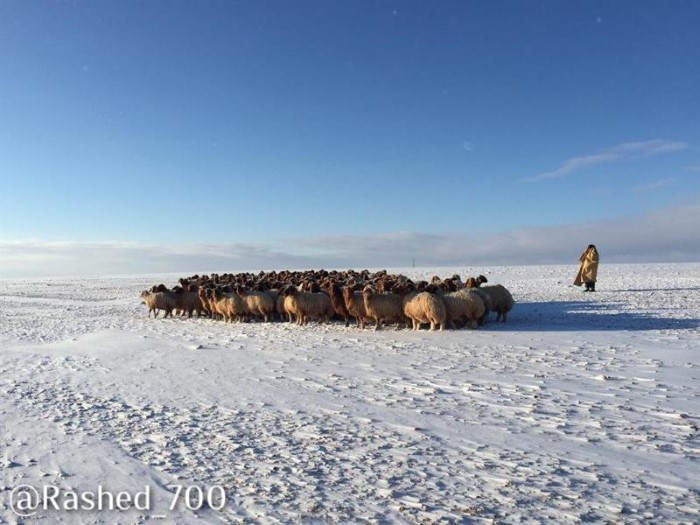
{"x": 225, "y": 135}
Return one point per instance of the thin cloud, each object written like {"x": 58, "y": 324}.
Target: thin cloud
{"x": 655, "y": 185}
{"x": 666, "y": 235}
{"x": 649, "y": 147}
{"x": 626, "y": 150}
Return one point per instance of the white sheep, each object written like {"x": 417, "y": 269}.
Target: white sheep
{"x": 307, "y": 305}
{"x": 463, "y": 306}
{"x": 424, "y": 307}
{"x": 487, "y": 303}
{"x": 257, "y": 303}
{"x": 157, "y": 301}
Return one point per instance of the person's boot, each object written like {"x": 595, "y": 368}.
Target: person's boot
{"x": 588, "y": 287}
{"x": 592, "y": 287}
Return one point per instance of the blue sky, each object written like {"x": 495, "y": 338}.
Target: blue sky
{"x": 297, "y": 128}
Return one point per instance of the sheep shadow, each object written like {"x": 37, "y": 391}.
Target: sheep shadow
{"x": 566, "y": 316}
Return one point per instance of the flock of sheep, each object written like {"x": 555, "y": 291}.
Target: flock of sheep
{"x": 366, "y": 297}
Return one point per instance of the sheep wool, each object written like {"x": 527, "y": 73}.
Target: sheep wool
{"x": 501, "y": 300}
{"x": 383, "y": 307}
{"x": 157, "y": 301}
{"x": 424, "y": 307}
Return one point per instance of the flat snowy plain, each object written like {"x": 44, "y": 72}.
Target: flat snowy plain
{"x": 582, "y": 408}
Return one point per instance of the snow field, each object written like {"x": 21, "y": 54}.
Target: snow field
{"x": 582, "y": 408}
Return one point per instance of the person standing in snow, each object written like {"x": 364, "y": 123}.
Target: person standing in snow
{"x": 588, "y": 271}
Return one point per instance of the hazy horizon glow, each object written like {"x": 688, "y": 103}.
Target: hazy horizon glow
{"x": 668, "y": 235}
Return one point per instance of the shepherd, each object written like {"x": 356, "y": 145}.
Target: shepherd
{"x": 588, "y": 271}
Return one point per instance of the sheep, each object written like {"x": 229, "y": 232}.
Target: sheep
{"x": 159, "y": 288}
{"x": 476, "y": 282}
{"x": 157, "y": 301}
{"x": 345, "y": 292}
{"x": 307, "y": 305}
{"x": 229, "y": 305}
{"x": 355, "y": 305}
{"x": 383, "y": 307}
{"x": 257, "y": 303}
{"x": 487, "y": 303}
{"x": 501, "y": 300}
{"x": 310, "y": 286}
{"x": 279, "y": 306}
{"x": 206, "y": 301}
{"x": 463, "y": 306}
{"x": 335, "y": 293}
{"x": 188, "y": 301}
{"x": 448, "y": 285}
{"x": 424, "y": 307}
{"x": 275, "y": 296}
{"x": 211, "y": 300}
{"x": 220, "y": 304}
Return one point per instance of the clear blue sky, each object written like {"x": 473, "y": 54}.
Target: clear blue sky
{"x": 255, "y": 122}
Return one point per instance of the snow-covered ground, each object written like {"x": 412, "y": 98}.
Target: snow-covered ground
{"x": 582, "y": 408}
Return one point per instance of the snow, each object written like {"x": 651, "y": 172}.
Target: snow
{"x": 583, "y": 407}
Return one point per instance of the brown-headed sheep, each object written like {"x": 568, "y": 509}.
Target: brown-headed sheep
{"x": 206, "y": 299}
{"x": 355, "y": 305}
{"x": 476, "y": 282}
{"x": 383, "y": 307}
{"x": 188, "y": 301}
{"x": 335, "y": 293}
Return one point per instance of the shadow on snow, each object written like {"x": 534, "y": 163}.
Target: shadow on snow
{"x": 584, "y": 316}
